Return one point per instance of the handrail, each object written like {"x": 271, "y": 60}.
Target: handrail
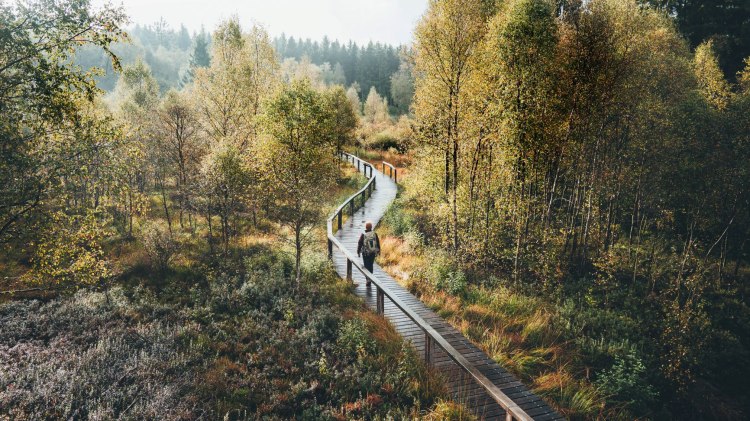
{"x": 392, "y": 171}
{"x": 364, "y": 191}
{"x": 513, "y": 411}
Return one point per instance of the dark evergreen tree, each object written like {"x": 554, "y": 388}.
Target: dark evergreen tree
{"x": 199, "y": 58}
{"x": 725, "y": 22}
{"x": 183, "y": 39}
{"x": 371, "y": 66}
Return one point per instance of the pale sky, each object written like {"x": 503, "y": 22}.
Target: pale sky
{"x": 390, "y": 21}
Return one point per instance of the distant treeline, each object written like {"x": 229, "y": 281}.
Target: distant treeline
{"x": 371, "y": 65}
{"x": 168, "y": 53}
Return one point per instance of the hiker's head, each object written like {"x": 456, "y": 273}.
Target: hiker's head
{"x": 368, "y": 226}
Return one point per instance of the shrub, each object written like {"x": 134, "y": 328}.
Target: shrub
{"x": 383, "y": 141}
{"x": 447, "y": 276}
{"x": 626, "y": 382}
{"x": 242, "y": 345}
{"x": 354, "y": 338}
{"x": 81, "y": 357}
{"x": 160, "y": 245}
{"x": 399, "y": 221}
{"x": 70, "y": 252}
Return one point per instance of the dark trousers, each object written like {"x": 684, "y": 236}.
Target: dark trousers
{"x": 368, "y": 261}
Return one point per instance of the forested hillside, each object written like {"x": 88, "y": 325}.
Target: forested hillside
{"x": 169, "y": 53}
{"x": 369, "y": 66}
{"x": 173, "y": 55}
{"x": 579, "y": 203}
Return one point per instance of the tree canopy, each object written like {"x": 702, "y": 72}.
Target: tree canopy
{"x": 585, "y": 152}
{"x": 725, "y": 23}
{"x": 50, "y": 128}
{"x": 298, "y": 157}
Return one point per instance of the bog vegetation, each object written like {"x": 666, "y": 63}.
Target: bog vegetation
{"x": 580, "y": 192}
{"x": 161, "y": 243}
{"x": 577, "y": 202}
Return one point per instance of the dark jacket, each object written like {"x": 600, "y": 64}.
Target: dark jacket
{"x": 361, "y": 243}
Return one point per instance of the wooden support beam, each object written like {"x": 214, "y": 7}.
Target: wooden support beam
{"x": 427, "y": 348}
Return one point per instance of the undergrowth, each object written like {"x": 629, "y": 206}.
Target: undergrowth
{"x": 245, "y": 345}
{"x": 558, "y": 350}
{"x": 186, "y": 333}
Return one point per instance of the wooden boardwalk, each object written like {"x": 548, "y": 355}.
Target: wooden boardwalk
{"x": 463, "y": 388}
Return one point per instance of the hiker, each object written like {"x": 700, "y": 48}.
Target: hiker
{"x": 368, "y": 247}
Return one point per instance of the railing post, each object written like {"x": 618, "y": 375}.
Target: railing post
{"x": 351, "y": 207}
{"x": 427, "y": 348}
{"x": 508, "y": 416}
{"x": 330, "y": 248}
{"x": 341, "y": 218}
{"x": 380, "y": 299}
{"x": 348, "y": 270}
{"x": 395, "y": 175}
{"x": 358, "y": 170}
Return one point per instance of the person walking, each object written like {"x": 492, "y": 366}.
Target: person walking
{"x": 368, "y": 247}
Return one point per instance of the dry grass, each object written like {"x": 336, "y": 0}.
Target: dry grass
{"x": 383, "y": 331}
{"x": 402, "y": 162}
{"x": 392, "y": 252}
{"x": 449, "y": 411}
{"x": 516, "y": 331}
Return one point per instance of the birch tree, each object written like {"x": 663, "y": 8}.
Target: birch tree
{"x": 179, "y": 139}
{"x": 298, "y": 158}
{"x": 445, "y": 49}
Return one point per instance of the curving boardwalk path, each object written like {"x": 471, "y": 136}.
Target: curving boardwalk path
{"x": 462, "y": 387}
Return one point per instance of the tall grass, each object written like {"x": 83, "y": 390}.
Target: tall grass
{"x": 541, "y": 343}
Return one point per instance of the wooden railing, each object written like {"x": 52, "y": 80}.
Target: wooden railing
{"x": 432, "y": 337}
{"x": 392, "y": 171}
